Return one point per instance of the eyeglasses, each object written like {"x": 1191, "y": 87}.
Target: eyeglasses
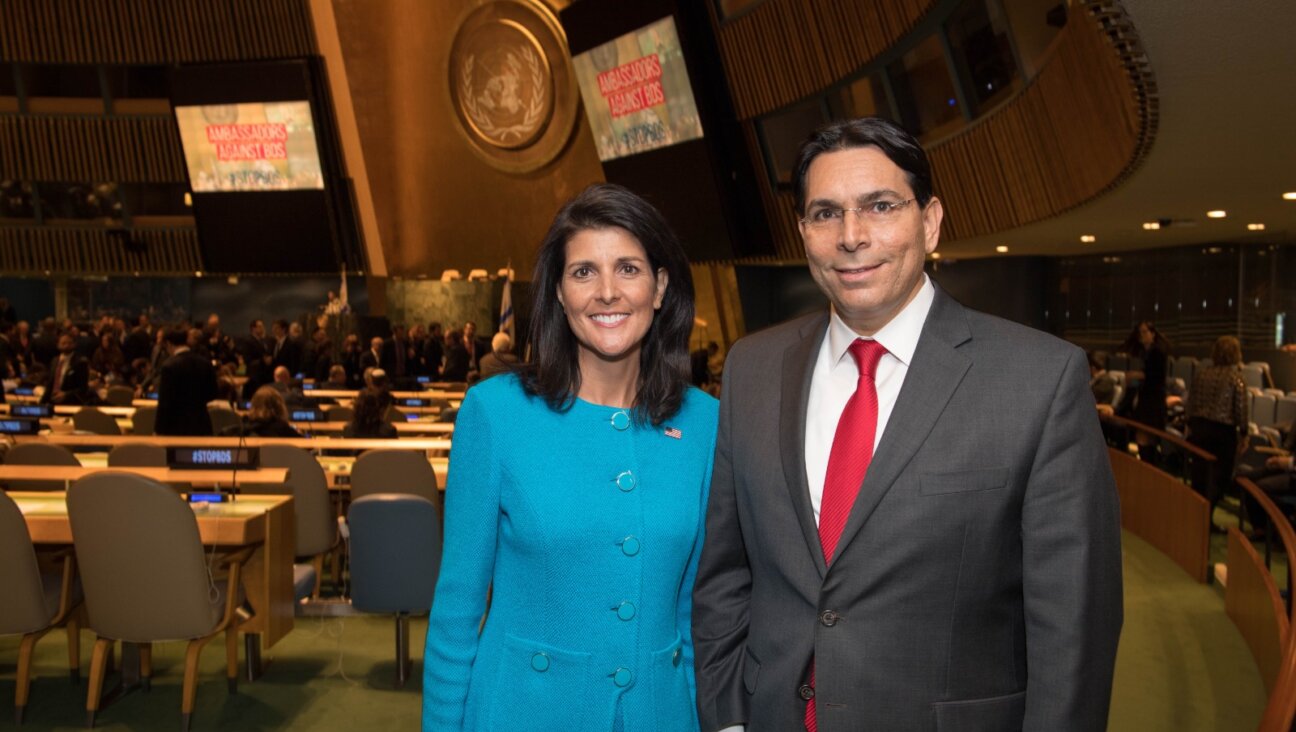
{"x": 828, "y": 219}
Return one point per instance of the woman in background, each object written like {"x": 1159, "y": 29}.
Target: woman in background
{"x": 370, "y": 419}
{"x": 1218, "y": 414}
{"x": 577, "y": 496}
{"x": 267, "y": 417}
{"x": 1149, "y": 406}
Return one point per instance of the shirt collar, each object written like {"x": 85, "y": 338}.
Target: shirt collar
{"x": 899, "y": 336}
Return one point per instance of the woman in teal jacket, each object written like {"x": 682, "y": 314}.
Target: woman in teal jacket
{"x": 576, "y": 497}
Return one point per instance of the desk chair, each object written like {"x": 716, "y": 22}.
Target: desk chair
{"x": 394, "y": 471}
{"x": 143, "y": 421}
{"x": 394, "y": 415}
{"x": 33, "y": 602}
{"x": 317, "y": 531}
{"x": 137, "y": 455}
{"x": 395, "y": 549}
{"x": 223, "y": 419}
{"x": 92, "y": 420}
{"x": 146, "y": 578}
{"x": 339, "y": 414}
{"x": 120, "y": 396}
{"x": 39, "y": 453}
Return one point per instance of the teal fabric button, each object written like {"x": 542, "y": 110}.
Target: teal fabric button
{"x": 626, "y": 611}
{"x": 540, "y": 662}
{"x": 621, "y": 421}
{"x": 676, "y": 656}
{"x": 626, "y": 481}
{"x": 623, "y": 677}
{"x": 630, "y": 546}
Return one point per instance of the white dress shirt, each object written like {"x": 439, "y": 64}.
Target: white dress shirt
{"x": 836, "y": 376}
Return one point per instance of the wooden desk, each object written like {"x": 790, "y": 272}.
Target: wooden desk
{"x": 338, "y": 471}
{"x": 265, "y": 521}
{"x": 306, "y": 443}
{"x": 352, "y": 394}
{"x": 69, "y": 473}
{"x": 402, "y": 428}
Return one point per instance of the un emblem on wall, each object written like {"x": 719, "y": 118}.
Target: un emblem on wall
{"x": 512, "y": 87}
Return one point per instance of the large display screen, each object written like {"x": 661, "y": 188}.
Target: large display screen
{"x": 636, "y": 92}
{"x": 262, "y": 146}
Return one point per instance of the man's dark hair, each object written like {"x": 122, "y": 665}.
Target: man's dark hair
{"x": 663, "y": 360}
{"x": 899, "y": 146}
{"x": 253, "y": 324}
{"x": 178, "y": 336}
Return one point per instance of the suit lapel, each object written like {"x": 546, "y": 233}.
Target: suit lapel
{"x": 934, "y": 374}
{"x": 798, "y": 367}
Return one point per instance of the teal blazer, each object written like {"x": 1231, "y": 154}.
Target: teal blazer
{"x": 586, "y": 528}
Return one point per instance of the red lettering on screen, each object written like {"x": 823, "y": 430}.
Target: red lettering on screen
{"x": 634, "y": 86}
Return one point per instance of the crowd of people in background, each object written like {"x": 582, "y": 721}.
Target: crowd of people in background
{"x": 68, "y": 359}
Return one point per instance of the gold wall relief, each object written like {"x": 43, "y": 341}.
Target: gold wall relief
{"x": 511, "y": 84}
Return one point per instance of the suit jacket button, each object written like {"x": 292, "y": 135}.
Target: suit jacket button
{"x": 806, "y": 692}
{"x": 829, "y": 618}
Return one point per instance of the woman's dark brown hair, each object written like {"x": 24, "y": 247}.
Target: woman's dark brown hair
{"x": 554, "y": 372}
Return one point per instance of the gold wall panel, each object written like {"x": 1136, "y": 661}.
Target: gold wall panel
{"x": 153, "y": 31}
{"x": 439, "y": 204}
{"x": 1077, "y": 130}
{"x": 91, "y": 149}
{"x": 784, "y": 50}
{"x": 90, "y": 250}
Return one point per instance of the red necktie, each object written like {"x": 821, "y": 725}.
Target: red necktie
{"x": 852, "y": 450}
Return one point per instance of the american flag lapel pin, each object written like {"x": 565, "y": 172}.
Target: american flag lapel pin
{"x": 674, "y": 432}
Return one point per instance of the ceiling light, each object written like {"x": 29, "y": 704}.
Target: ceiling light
{"x": 1289, "y": 196}
{"x": 1088, "y": 238}
{"x": 1255, "y": 227}
{"x": 1151, "y": 225}
{"x": 1216, "y": 214}
{"x": 1001, "y": 249}
{"x": 198, "y": 273}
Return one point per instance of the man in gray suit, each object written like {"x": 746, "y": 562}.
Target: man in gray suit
{"x": 935, "y": 542}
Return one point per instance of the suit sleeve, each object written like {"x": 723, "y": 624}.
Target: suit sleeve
{"x": 684, "y": 614}
{"x": 723, "y": 590}
{"x": 1071, "y": 574}
{"x": 467, "y": 564}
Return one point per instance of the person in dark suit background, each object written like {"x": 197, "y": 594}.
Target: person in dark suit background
{"x": 372, "y": 358}
{"x": 59, "y": 367}
{"x": 456, "y": 358}
{"x": 434, "y": 350}
{"x": 477, "y": 348}
{"x": 913, "y": 555}
{"x": 284, "y": 350}
{"x": 186, "y": 383}
{"x": 256, "y": 357}
{"x": 395, "y": 353}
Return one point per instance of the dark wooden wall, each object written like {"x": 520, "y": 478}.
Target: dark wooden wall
{"x": 136, "y": 148}
{"x": 1078, "y": 128}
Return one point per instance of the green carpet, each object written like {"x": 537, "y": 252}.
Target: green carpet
{"x": 1181, "y": 666}
{"x": 328, "y": 674}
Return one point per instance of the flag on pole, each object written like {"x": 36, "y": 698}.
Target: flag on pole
{"x": 506, "y": 324}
